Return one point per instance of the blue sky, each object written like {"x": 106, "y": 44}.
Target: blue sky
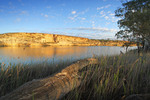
{"x": 85, "y": 18}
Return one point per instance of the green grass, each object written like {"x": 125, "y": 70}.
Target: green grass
{"x": 13, "y": 76}
{"x": 114, "y": 78}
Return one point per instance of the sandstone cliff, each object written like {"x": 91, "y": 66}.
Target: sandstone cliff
{"x": 41, "y": 39}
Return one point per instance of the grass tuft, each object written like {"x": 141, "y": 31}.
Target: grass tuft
{"x": 114, "y": 78}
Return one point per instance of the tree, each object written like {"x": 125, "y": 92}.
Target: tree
{"x": 134, "y": 21}
{"x": 127, "y": 44}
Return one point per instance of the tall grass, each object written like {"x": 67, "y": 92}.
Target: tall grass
{"x": 13, "y": 76}
{"x": 114, "y": 78}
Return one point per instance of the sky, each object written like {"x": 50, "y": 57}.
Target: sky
{"x": 94, "y": 19}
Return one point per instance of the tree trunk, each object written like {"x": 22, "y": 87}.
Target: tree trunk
{"x": 147, "y": 45}
{"x": 138, "y": 46}
{"x": 143, "y": 43}
{"x": 53, "y": 87}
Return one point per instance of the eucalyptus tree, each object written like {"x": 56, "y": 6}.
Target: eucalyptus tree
{"x": 134, "y": 21}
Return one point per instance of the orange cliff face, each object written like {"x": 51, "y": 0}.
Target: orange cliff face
{"x": 41, "y": 39}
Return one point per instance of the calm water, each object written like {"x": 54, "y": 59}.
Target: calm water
{"x": 17, "y": 55}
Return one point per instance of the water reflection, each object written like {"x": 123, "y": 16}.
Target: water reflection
{"x": 38, "y": 54}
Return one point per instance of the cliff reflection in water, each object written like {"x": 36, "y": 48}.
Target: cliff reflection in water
{"x": 36, "y": 54}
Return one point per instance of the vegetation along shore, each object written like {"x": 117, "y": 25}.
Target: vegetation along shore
{"x": 114, "y": 77}
{"x": 121, "y": 77}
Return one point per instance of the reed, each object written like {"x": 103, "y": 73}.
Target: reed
{"x": 114, "y": 78}
{"x": 13, "y": 76}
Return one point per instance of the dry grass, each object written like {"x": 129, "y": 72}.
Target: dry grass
{"x": 114, "y": 78}
{"x": 13, "y": 76}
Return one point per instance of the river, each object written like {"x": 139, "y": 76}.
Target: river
{"x": 28, "y": 55}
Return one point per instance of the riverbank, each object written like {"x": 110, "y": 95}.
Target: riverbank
{"x": 12, "y": 76}
{"x": 123, "y": 77}
{"x": 41, "y": 39}
{"x": 115, "y": 77}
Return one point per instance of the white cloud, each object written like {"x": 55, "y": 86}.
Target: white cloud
{"x": 112, "y": 14}
{"x": 94, "y": 29}
{"x": 109, "y": 16}
{"x": 23, "y": 12}
{"x": 73, "y": 12}
{"x": 85, "y": 11}
{"x": 113, "y": 17}
{"x": 94, "y": 32}
{"x": 46, "y": 16}
{"x": 83, "y": 18}
{"x": 18, "y": 20}
{"x": 107, "y": 6}
{"x": 104, "y": 7}
{"x": 107, "y": 23}
{"x": 109, "y": 12}
{"x": 78, "y": 16}
{"x": 106, "y": 17}
{"x": 103, "y": 15}
{"x": 102, "y": 12}
{"x": 99, "y": 8}
{"x": 88, "y": 32}
{"x": 74, "y": 17}
{"x": 93, "y": 23}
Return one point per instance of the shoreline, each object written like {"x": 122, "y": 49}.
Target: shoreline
{"x": 71, "y": 78}
{"x": 111, "y": 68}
{"x": 40, "y": 40}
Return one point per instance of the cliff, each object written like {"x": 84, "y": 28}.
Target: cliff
{"x": 41, "y": 39}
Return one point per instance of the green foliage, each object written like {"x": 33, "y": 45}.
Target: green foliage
{"x": 134, "y": 20}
